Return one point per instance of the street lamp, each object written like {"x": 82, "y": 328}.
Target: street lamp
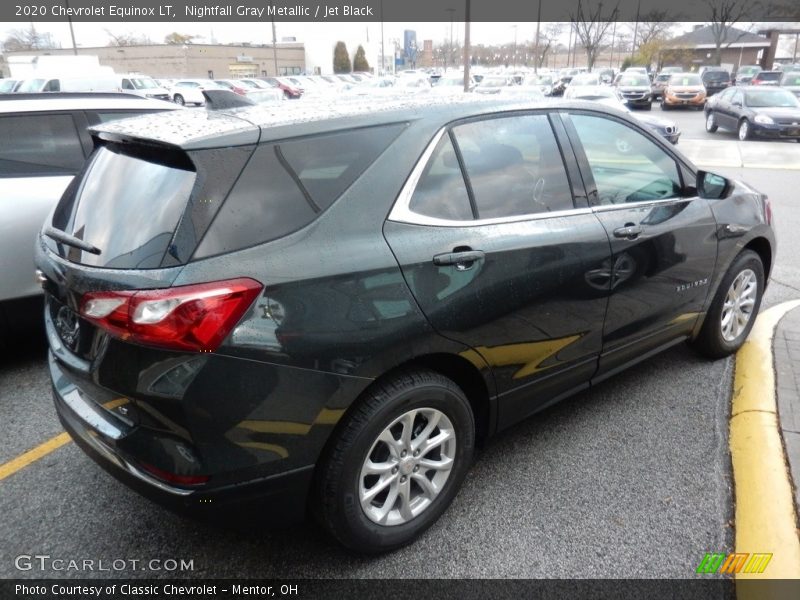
{"x": 450, "y": 47}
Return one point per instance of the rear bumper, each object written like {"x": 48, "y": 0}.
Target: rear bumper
{"x": 279, "y": 498}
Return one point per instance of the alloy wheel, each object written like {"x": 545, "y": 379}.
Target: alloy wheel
{"x": 407, "y": 466}
{"x": 739, "y": 303}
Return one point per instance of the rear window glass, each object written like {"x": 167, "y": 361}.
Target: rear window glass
{"x": 634, "y": 80}
{"x": 37, "y": 144}
{"x": 118, "y": 191}
{"x": 765, "y": 76}
{"x": 286, "y": 185}
{"x": 716, "y": 76}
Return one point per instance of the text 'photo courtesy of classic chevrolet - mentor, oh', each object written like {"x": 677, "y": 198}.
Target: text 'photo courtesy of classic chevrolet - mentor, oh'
{"x": 323, "y": 309}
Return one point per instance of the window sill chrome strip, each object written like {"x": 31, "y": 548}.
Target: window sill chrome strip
{"x": 401, "y": 213}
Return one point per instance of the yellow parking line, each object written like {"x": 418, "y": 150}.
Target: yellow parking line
{"x": 42, "y": 450}
{"x": 765, "y": 511}
{"x": 22, "y": 461}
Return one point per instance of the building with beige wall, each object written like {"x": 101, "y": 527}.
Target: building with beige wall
{"x": 190, "y": 60}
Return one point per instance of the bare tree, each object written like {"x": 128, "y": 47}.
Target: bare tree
{"x": 20, "y": 40}
{"x": 653, "y": 26}
{"x": 127, "y": 39}
{"x": 548, "y": 39}
{"x": 591, "y": 26}
{"x": 723, "y": 15}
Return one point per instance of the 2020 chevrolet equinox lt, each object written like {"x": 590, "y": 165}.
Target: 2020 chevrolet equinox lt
{"x": 324, "y": 308}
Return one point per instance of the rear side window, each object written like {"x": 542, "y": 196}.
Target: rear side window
{"x": 38, "y": 144}
{"x": 286, "y": 185}
{"x": 514, "y": 166}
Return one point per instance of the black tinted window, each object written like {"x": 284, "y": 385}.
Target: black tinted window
{"x": 287, "y": 184}
{"x": 441, "y": 191}
{"x": 39, "y": 145}
{"x": 514, "y": 166}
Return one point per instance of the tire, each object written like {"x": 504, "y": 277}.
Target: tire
{"x": 179, "y": 100}
{"x": 744, "y": 130}
{"x": 649, "y": 106}
{"x": 711, "y": 123}
{"x": 340, "y": 497}
{"x": 664, "y": 106}
{"x": 712, "y": 340}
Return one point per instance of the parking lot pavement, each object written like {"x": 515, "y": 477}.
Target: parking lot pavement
{"x": 630, "y": 479}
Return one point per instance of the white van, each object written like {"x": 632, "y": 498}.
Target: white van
{"x": 100, "y": 82}
{"x": 144, "y": 86}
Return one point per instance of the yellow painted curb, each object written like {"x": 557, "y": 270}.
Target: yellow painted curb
{"x": 765, "y": 511}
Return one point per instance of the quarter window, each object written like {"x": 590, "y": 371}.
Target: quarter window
{"x": 441, "y": 191}
{"x": 625, "y": 164}
{"x": 514, "y": 166}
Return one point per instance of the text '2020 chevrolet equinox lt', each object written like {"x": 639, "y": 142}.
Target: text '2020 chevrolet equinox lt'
{"x": 324, "y": 308}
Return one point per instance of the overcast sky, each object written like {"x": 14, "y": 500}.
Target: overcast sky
{"x": 94, "y": 34}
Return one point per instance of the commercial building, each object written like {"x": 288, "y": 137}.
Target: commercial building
{"x": 191, "y": 60}
{"x": 698, "y": 47}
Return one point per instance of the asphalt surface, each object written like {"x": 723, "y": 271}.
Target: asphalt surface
{"x": 631, "y": 479}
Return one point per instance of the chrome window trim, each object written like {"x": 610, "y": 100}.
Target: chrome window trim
{"x": 401, "y": 213}
{"x": 642, "y": 204}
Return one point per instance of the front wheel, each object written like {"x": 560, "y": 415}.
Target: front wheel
{"x": 711, "y": 123}
{"x": 397, "y": 461}
{"x": 179, "y": 100}
{"x": 734, "y": 308}
{"x": 744, "y": 130}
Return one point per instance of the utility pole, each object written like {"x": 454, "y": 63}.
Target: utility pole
{"x": 383, "y": 54}
{"x": 466, "y": 47}
{"x": 636, "y": 27}
{"x": 613, "y": 39}
{"x": 71, "y": 31}
{"x": 536, "y": 43}
{"x": 274, "y": 45}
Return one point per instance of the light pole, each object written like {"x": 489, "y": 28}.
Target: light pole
{"x": 466, "y": 46}
{"x": 450, "y": 47}
{"x": 515, "y": 46}
{"x": 383, "y": 54}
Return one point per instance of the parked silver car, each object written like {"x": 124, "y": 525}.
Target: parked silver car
{"x": 43, "y": 144}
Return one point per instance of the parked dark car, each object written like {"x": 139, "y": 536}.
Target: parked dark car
{"x": 635, "y": 89}
{"x": 755, "y": 112}
{"x": 325, "y": 309}
{"x": 767, "y": 78}
{"x": 658, "y": 85}
{"x": 716, "y": 81}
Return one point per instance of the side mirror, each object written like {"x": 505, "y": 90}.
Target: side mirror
{"x": 712, "y": 186}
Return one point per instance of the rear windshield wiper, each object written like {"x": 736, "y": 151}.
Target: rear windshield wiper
{"x": 70, "y": 240}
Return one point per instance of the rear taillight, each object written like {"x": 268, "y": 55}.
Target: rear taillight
{"x": 192, "y": 317}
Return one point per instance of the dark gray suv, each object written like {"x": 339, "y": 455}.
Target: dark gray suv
{"x": 325, "y": 308}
